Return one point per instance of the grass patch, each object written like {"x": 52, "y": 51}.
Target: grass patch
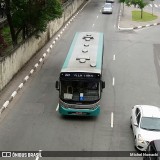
{"x": 136, "y": 16}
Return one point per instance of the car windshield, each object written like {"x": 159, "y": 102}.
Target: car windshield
{"x": 107, "y": 5}
{"x": 150, "y": 123}
{"x": 80, "y": 91}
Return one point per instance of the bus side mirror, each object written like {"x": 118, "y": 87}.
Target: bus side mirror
{"x": 103, "y": 84}
{"x": 57, "y": 85}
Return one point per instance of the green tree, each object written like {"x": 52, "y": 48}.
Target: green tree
{"x": 141, "y": 4}
{"x": 9, "y": 19}
{"x": 31, "y": 16}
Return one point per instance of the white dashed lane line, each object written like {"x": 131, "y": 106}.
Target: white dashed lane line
{"x": 57, "y": 107}
{"x": 112, "y": 119}
{"x": 114, "y": 57}
{"x": 113, "y": 81}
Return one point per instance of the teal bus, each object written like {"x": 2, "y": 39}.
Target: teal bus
{"x": 80, "y": 82}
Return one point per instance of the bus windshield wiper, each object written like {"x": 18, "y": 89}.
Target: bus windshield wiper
{"x": 145, "y": 128}
{"x": 154, "y": 129}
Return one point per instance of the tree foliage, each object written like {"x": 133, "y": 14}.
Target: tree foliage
{"x": 141, "y": 4}
{"x": 28, "y": 16}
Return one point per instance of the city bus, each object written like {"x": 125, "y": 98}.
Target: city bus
{"x": 80, "y": 82}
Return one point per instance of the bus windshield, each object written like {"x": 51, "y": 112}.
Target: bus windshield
{"x": 80, "y": 91}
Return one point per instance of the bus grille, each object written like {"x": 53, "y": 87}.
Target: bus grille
{"x": 79, "y": 106}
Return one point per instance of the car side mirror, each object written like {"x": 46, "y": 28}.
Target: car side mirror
{"x": 57, "y": 85}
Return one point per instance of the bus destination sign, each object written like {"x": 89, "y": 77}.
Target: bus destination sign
{"x": 79, "y": 75}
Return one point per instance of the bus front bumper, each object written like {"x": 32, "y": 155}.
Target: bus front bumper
{"x": 79, "y": 112}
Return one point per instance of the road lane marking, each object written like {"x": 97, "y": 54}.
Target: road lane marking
{"x": 114, "y": 57}
{"x": 113, "y": 81}
{"x": 97, "y": 16}
{"x": 112, "y": 119}
{"x": 93, "y": 25}
{"x": 57, "y": 107}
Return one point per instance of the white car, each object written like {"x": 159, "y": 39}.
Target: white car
{"x": 145, "y": 123}
{"x": 107, "y": 8}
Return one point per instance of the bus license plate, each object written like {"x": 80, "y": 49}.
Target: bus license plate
{"x": 80, "y": 113}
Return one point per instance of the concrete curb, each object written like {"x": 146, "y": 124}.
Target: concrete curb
{"x": 139, "y": 27}
{"x": 5, "y": 105}
{"x": 133, "y": 28}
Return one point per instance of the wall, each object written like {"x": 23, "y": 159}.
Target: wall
{"x": 10, "y": 65}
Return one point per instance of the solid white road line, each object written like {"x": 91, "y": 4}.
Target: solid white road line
{"x": 112, "y": 119}
{"x": 57, "y": 107}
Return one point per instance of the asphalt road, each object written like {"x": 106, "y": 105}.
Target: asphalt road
{"x": 131, "y": 72}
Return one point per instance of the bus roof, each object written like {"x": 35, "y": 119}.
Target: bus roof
{"x": 85, "y": 53}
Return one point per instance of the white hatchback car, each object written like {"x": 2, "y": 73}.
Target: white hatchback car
{"x": 145, "y": 123}
{"x": 107, "y": 8}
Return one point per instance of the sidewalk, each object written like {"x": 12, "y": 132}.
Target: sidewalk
{"x": 125, "y": 19}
